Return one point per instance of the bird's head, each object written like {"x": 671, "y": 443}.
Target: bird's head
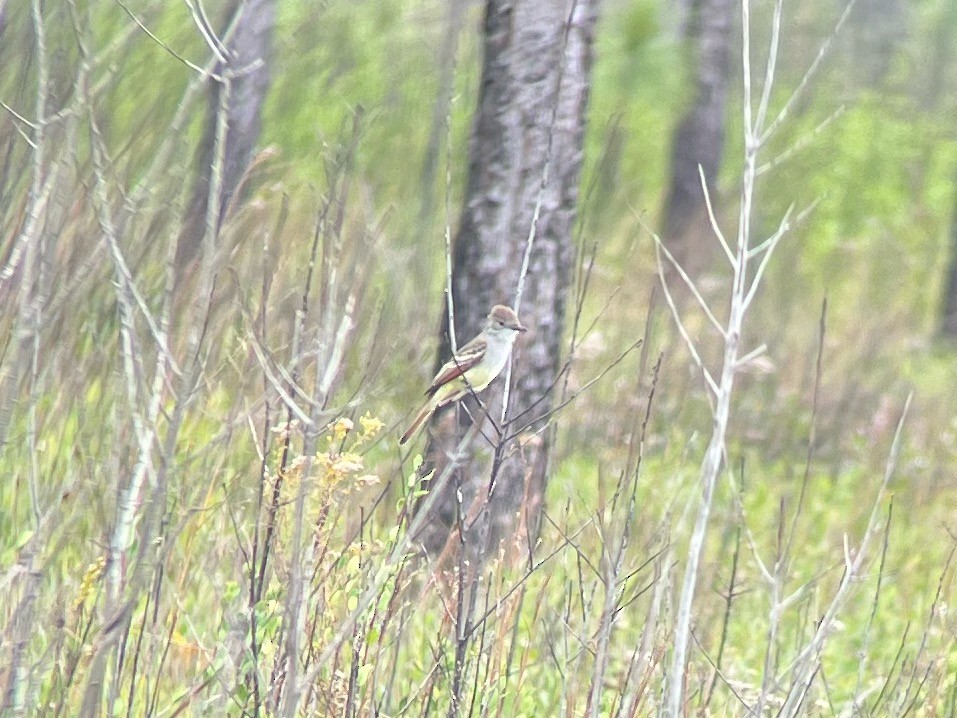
{"x": 503, "y": 320}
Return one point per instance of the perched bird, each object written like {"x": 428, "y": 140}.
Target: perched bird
{"x": 473, "y": 367}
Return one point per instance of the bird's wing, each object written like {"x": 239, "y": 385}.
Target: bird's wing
{"x": 464, "y": 359}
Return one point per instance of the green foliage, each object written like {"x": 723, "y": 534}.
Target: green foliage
{"x": 638, "y": 91}
{"x": 335, "y": 59}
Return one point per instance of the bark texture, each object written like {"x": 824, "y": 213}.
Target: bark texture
{"x": 699, "y": 139}
{"x": 535, "y": 83}
{"x": 248, "y": 58}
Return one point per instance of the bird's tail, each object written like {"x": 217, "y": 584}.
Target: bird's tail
{"x": 424, "y": 413}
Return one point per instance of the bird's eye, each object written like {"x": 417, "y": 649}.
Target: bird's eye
{"x": 501, "y": 324}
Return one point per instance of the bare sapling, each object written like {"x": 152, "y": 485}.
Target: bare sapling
{"x": 748, "y": 261}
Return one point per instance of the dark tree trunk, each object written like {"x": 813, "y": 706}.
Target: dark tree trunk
{"x": 934, "y": 91}
{"x": 879, "y": 28}
{"x": 948, "y": 327}
{"x": 535, "y": 82}
{"x": 699, "y": 139}
{"x": 681, "y": 17}
{"x": 936, "y": 80}
{"x": 251, "y": 43}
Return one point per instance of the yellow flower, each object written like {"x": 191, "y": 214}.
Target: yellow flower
{"x": 347, "y": 463}
{"x": 340, "y": 428}
{"x": 336, "y": 467}
{"x": 370, "y": 425}
{"x": 93, "y": 572}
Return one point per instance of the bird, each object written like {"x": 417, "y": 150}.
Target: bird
{"x": 473, "y": 367}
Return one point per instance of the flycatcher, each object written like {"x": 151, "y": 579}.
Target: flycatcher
{"x": 473, "y": 367}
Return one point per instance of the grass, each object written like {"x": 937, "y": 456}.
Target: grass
{"x": 533, "y": 652}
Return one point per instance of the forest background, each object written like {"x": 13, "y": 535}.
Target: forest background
{"x": 203, "y": 507}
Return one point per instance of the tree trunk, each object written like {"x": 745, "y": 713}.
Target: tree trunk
{"x": 532, "y": 103}
{"x": 251, "y": 43}
{"x": 936, "y": 81}
{"x": 699, "y": 139}
{"x": 948, "y": 327}
{"x": 879, "y": 28}
{"x": 937, "y": 78}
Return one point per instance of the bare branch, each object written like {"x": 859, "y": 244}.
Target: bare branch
{"x": 768, "y": 248}
{"x": 803, "y": 666}
{"x": 201, "y": 71}
{"x": 689, "y": 343}
{"x": 811, "y": 71}
{"x": 694, "y": 290}
{"x": 205, "y": 29}
{"x": 802, "y": 142}
{"x": 715, "y": 227}
{"x": 771, "y": 65}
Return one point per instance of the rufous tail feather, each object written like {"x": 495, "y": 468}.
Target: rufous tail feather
{"x": 424, "y": 413}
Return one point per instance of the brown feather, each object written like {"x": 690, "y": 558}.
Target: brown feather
{"x": 424, "y": 413}
{"x": 467, "y": 357}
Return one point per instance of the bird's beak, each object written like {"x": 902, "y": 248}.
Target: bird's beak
{"x": 519, "y": 328}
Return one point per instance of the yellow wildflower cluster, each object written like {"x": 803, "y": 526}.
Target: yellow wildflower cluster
{"x": 342, "y": 427}
{"x": 371, "y": 426}
{"x": 93, "y": 573}
{"x": 335, "y": 465}
{"x": 339, "y": 429}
